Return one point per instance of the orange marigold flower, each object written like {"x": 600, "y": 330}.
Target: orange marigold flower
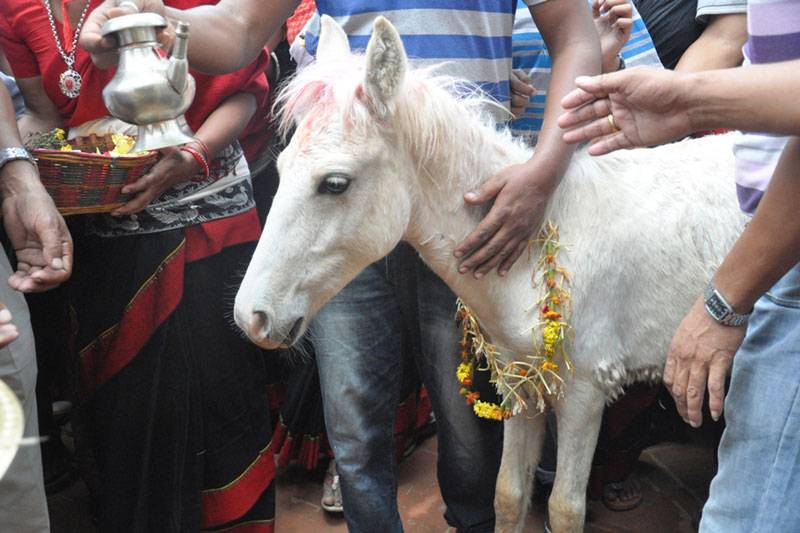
{"x": 551, "y": 282}
{"x": 550, "y": 259}
{"x": 552, "y": 315}
{"x": 522, "y": 372}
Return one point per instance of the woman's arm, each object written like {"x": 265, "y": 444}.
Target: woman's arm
{"x": 231, "y": 33}
{"x": 220, "y": 129}
{"x": 41, "y": 113}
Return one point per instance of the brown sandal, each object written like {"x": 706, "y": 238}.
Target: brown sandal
{"x": 623, "y": 495}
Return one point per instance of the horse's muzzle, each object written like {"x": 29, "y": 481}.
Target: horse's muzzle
{"x": 261, "y": 331}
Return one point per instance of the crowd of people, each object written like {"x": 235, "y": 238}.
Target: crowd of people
{"x": 176, "y": 413}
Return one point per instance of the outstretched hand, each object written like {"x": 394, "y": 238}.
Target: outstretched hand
{"x": 647, "y": 105}
{"x": 40, "y": 238}
{"x": 517, "y": 212}
{"x": 104, "y": 49}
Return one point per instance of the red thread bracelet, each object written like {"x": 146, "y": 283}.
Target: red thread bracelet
{"x": 199, "y": 158}
{"x": 204, "y": 147}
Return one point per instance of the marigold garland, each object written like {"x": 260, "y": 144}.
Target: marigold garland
{"x": 536, "y": 376}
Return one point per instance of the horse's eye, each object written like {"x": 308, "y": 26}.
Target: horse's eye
{"x": 334, "y": 184}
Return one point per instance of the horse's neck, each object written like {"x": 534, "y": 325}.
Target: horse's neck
{"x": 441, "y": 220}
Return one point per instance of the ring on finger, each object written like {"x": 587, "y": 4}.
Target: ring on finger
{"x": 612, "y": 123}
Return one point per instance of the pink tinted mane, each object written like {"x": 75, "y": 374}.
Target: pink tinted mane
{"x": 425, "y": 117}
{"x": 315, "y": 93}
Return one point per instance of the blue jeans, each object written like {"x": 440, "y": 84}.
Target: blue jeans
{"x": 757, "y": 486}
{"x": 358, "y": 339}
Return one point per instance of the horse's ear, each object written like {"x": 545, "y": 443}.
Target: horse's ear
{"x": 333, "y": 43}
{"x": 386, "y": 65}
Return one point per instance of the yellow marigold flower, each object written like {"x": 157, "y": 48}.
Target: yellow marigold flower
{"x": 59, "y": 135}
{"x": 66, "y": 148}
{"x": 464, "y": 372}
{"x": 492, "y": 411}
{"x": 551, "y": 333}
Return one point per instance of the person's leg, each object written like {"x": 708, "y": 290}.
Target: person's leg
{"x": 469, "y": 447}
{"x": 757, "y": 485}
{"x": 23, "y": 506}
{"x": 357, "y": 339}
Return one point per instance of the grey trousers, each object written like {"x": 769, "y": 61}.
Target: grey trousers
{"x": 23, "y": 507}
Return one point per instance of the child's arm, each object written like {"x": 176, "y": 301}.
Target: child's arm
{"x": 220, "y": 129}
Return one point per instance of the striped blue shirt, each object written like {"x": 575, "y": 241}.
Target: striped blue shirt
{"x": 530, "y": 54}
{"x": 471, "y": 39}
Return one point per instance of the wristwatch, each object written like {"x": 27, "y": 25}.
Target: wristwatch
{"x": 720, "y": 310}
{"x": 13, "y": 153}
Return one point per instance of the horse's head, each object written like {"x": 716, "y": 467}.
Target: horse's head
{"x": 344, "y": 200}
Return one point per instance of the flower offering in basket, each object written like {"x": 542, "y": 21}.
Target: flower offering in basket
{"x": 87, "y": 174}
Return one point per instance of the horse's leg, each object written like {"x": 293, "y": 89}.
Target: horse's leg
{"x": 579, "y": 415}
{"x": 523, "y": 436}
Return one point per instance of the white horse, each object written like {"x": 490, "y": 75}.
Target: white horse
{"x": 383, "y": 153}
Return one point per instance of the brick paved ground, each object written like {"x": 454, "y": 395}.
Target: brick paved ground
{"x": 674, "y": 477}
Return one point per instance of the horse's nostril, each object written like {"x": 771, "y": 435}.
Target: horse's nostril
{"x": 259, "y": 323}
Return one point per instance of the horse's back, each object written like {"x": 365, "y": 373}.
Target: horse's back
{"x": 645, "y": 230}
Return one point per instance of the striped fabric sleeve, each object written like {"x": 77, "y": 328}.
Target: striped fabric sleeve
{"x": 708, "y": 8}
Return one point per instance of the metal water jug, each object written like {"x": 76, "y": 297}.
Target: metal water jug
{"x": 149, "y": 89}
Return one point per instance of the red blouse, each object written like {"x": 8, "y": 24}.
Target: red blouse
{"x": 29, "y": 45}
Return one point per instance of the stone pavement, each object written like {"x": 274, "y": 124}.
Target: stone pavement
{"x": 674, "y": 478}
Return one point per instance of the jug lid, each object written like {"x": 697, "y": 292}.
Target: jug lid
{"x": 135, "y": 21}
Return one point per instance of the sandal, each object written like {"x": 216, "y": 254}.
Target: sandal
{"x": 331, "y": 490}
{"x": 623, "y": 495}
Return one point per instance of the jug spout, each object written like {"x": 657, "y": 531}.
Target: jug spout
{"x": 178, "y": 70}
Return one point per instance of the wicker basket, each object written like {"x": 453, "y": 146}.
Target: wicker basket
{"x": 82, "y": 182}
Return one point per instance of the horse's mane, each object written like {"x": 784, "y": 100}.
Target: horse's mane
{"x": 429, "y": 115}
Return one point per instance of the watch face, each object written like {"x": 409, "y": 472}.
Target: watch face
{"x": 716, "y": 308}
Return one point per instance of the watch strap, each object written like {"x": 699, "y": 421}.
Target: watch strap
{"x": 14, "y": 153}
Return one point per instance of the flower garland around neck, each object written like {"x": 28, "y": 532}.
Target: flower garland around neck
{"x": 536, "y": 375}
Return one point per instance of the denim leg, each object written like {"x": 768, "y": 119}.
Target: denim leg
{"x": 757, "y": 486}
{"x": 469, "y": 447}
{"x": 357, "y": 338}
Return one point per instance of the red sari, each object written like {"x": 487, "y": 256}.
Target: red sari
{"x": 174, "y": 397}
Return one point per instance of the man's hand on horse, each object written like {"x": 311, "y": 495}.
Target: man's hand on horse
{"x": 700, "y": 358}
{"x": 627, "y": 109}
{"x": 520, "y": 195}
{"x": 104, "y": 49}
